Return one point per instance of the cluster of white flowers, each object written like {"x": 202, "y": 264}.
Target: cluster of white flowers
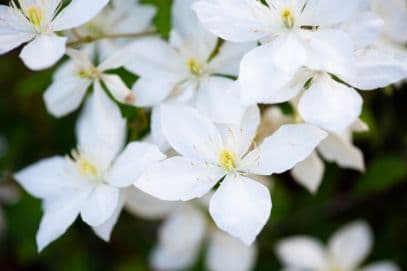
{"x": 204, "y": 86}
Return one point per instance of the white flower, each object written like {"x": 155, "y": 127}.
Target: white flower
{"x": 240, "y": 206}
{"x": 185, "y": 231}
{"x": 189, "y": 69}
{"x": 120, "y": 17}
{"x": 336, "y": 148}
{"x": 346, "y": 250}
{"x": 293, "y": 33}
{"x": 36, "y": 21}
{"x": 73, "y": 78}
{"x": 91, "y": 181}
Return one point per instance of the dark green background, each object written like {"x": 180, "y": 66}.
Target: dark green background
{"x": 379, "y": 196}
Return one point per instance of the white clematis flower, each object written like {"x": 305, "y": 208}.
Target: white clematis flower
{"x": 91, "y": 181}
{"x": 240, "y": 206}
{"x": 185, "y": 231}
{"x": 120, "y": 17}
{"x": 189, "y": 69}
{"x": 346, "y": 250}
{"x": 36, "y": 21}
{"x": 293, "y": 33}
{"x": 337, "y": 148}
{"x": 74, "y": 77}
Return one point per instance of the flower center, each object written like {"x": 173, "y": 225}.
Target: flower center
{"x": 288, "y": 18}
{"x": 227, "y": 160}
{"x": 194, "y": 67}
{"x": 85, "y": 168}
{"x": 91, "y": 73}
{"x": 35, "y": 15}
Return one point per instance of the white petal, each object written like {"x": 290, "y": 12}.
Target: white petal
{"x": 381, "y": 266}
{"x": 351, "y": 244}
{"x": 150, "y": 56}
{"x": 309, "y": 172}
{"x": 104, "y": 231}
{"x": 241, "y": 207}
{"x": 162, "y": 259}
{"x": 100, "y": 205}
{"x": 259, "y": 77}
{"x": 43, "y": 52}
{"x": 143, "y": 205}
{"x": 132, "y": 162}
{"x": 303, "y": 253}
{"x": 327, "y": 12}
{"x": 65, "y": 95}
{"x": 330, "y": 50}
{"x": 239, "y": 138}
{"x": 341, "y": 151}
{"x": 47, "y": 177}
{"x": 190, "y": 133}
{"x": 149, "y": 91}
{"x": 157, "y": 134}
{"x": 58, "y": 216}
{"x": 228, "y": 59}
{"x": 289, "y": 53}
{"x": 330, "y": 105}
{"x": 101, "y": 130}
{"x": 227, "y": 253}
{"x": 280, "y": 152}
{"x": 118, "y": 89}
{"x": 179, "y": 178}
{"x": 77, "y": 13}
{"x": 218, "y": 99}
{"x": 376, "y": 68}
{"x": 231, "y": 20}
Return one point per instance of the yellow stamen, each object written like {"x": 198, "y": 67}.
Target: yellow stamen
{"x": 194, "y": 67}
{"x": 89, "y": 74}
{"x": 85, "y": 168}
{"x": 288, "y": 18}
{"x": 227, "y": 160}
{"x": 35, "y": 15}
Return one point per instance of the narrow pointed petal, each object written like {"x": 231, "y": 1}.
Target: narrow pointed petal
{"x": 241, "y": 207}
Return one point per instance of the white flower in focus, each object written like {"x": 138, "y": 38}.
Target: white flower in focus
{"x": 240, "y": 206}
{"x": 337, "y": 148}
{"x": 293, "y": 34}
{"x": 92, "y": 180}
{"x": 73, "y": 78}
{"x": 190, "y": 69}
{"x": 346, "y": 251}
{"x": 120, "y": 17}
{"x": 36, "y": 21}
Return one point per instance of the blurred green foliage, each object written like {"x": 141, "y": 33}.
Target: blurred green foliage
{"x": 378, "y": 196}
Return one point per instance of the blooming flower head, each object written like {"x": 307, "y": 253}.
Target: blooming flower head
{"x": 240, "y": 206}
{"x": 90, "y": 181}
{"x": 346, "y": 250}
{"x": 36, "y": 21}
{"x": 73, "y": 78}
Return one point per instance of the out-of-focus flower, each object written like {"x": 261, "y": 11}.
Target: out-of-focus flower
{"x": 193, "y": 69}
{"x": 36, "y": 22}
{"x": 8, "y": 195}
{"x": 336, "y": 148}
{"x": 3, "y": 146}
{"x": 346, "y": 251}
{"x": 240, "y": 206}
{"x": 91, "y": 181}
{"x": 73, "y": 78}
{"x": 185, "y": 230}
{"x": 121, "y": 17}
